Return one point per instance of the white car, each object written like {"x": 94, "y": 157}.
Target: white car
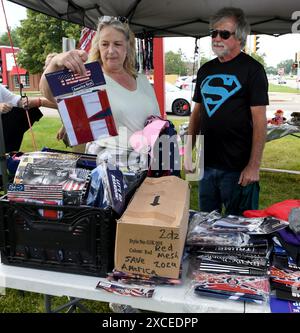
{"x": 180, "y": 80}
{"x": 178, "y": 101}
{"x": 188, "y": 83}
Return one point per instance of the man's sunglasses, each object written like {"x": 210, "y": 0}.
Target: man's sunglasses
{"x": 224, "y": 34}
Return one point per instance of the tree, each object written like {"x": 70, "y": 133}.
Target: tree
{"x": 271, "y": 70}
{"x": 4, "y": 40}
{"x": 40, "y": 35}
{"x": 174, "y": 63}
{"x": 260, "y": 58}
{"x": 203, "y": 60}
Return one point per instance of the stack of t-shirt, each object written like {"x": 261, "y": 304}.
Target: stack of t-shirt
{"x": 285, "y": 271}
{"x": 230, "y": 255}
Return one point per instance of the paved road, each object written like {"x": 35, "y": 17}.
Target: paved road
{"x": 47, "y": 112}
{"x": 292, "y": 83}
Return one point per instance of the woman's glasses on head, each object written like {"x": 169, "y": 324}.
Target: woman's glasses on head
{"x": 109, "y": 19}
{"x": 224, "y": 34}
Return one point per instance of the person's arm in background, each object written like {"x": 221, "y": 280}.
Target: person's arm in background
{"x": 37, "y": 102}
{"x": 7, "y": 99}
{"x": 73, "y": 60}
{"x": 250, "y": 173}
{"x": 193, "y": 131}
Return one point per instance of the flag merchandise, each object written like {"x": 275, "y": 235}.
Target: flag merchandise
{"x": 46, "y": 192}
{"x": 248, "y": 286}
{"x": 285, "y": 276}
{"x": 87, "y": 117}
{"x": 65, "y": 83}
{"x": 83, "y": 104}
{"x": 230, "y": 296}
{"x": 124, "y": 290}
{"x": 86, "y": 37}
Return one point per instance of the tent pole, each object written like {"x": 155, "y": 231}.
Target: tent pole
{"x": 3, "y": 165}
{"x": 159, "y": 73}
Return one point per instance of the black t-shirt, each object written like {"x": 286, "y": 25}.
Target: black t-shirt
{"x": 226, "y": 92}
{"x": 15, "y": 124}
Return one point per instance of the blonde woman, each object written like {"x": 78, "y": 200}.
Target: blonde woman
{"x": 131, "y": 96}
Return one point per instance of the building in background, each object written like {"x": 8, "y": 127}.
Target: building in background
{"x": 9, "y": 72}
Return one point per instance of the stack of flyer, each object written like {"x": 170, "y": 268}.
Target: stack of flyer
{"x": 83, "y": 104}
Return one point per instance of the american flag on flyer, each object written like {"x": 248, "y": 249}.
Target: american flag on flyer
{"x": 87, "y": 117}
{"x": 85, "y": 40}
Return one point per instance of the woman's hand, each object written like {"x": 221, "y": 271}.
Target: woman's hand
{"x": 60, "y": 134}
{"x": 73, "y": 60}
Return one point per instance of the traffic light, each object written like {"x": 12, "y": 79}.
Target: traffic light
{"x": 256, "y": 43}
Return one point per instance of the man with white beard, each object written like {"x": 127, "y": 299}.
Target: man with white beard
{"x": 230, "y": 98}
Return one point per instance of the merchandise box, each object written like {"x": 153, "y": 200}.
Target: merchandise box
{"x": 151, "y": 233}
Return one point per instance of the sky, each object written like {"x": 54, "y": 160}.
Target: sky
{"x": 276, "y": 49}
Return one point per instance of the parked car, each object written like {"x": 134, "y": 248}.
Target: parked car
{"x": 281, "y": 81}
{"x": 187, "y": 84}
{"x": 180, "y": 80}
{"x": 177, "y": 101}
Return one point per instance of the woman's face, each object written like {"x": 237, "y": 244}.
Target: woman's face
{"x": 113, "y": 49}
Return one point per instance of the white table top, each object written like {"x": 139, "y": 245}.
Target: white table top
{"x": 170, "y": 299}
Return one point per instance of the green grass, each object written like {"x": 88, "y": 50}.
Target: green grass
{"x": 280, "y": 154}
{"x": 16, "y": 301}
{"x": 45, "y": 135}
{"x": 282, "y": 89}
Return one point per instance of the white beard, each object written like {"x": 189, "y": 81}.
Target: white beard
{"x": 220, "y": 52}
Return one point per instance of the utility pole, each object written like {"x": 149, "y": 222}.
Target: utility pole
{"x": 68, "y": 44}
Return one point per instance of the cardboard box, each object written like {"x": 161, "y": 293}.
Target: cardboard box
{"x": 151, "y": 233}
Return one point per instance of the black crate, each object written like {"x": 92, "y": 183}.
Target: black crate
{"x": 80, "y": 242}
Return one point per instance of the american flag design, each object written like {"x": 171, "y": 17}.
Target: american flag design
{"x": 49, "y": 192}
{"x": 124, "y": 290}
{"x": 65, "y": 83}
{"x": 250, "y": 285}
{"x": 38, "y": 194}
{"x": 87, "y": 117}
{"x": 72, "y": 78}
{"x": 285, "y": 276}
{"x": 86, "y": 37}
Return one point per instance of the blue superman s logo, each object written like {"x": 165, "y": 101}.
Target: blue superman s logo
{"x": 214, "y": 96}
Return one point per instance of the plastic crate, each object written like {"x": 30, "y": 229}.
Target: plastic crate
{"x": 80, "y": 242}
